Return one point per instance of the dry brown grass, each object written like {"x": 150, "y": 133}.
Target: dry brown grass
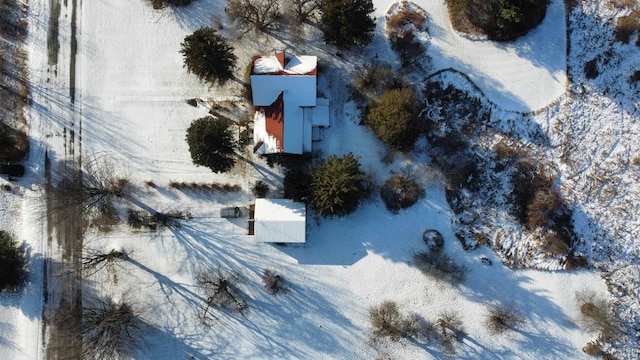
{"x": 627, "y": 26}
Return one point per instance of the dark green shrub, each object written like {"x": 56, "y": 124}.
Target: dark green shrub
{"x": 260, "y": 189}
{"x": 211, "y": 143}
{"x": 400, "y": 191}
{"x": 337, "y": 185}
{"x": 498, "y": 19}
{"x": 12, "y": 263}
{"x": 209, "y": 56}
{"x": 296, "y": 184}
{"x": 347, "y": 23}
{"x": 394, "y": 118}
{"x": 591, "y": 70}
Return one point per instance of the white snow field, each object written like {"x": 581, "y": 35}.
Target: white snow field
{"x": 130, "y": 97}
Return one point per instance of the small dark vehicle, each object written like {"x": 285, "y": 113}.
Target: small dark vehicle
{"x": 12, "y": 170}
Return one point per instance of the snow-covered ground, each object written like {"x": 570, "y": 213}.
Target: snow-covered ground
{"x": 131, "y": 92}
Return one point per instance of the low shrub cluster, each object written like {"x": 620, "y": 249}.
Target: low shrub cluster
{"x": 627, "y": 26}
{"x": 400, "y": 191}
{"x": 138, "y": 219}
{"x": 597, "y": 315}
{"x": 260, "y": 189}
{"x": 502, "y": 318}
{"x": 159, "y": 4}
{"x": 296, "y": 184}
{"x": 401, "y": 28}
{"x": 497, "y": 19}
{"x": 273, "y": 282}
{"x": 438, "y": 265}
{"x": 539, "y": 206}
{"x": 388, "y": 322}
{"x": 223, "y": 188}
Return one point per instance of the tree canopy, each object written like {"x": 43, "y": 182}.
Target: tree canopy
{"x": 337, "y": 185}
{"x": 211, "y": 143}
{"x": 347, "y": 22}
{"x": 12, "y": 262}
{"x": 208, "y": 55}
{"x": 394, "y": 118}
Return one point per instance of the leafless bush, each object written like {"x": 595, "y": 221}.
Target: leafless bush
{"x": 439, "y": 265}
{"x": 221, "y": 291}
{"x": 386, "y": 321}
{"x": 374, "y": 78}
{"x": 257, "y": 15}
{"x": 553, "y": 244}
{"x": 273, "y": 283}
{"x": 450, "y": 329}
{"x": 401, "y": 28}
{"x": 597, "y": 315}
{"x": 223, "y": 188}
{"x": 593, "y": 348}
{"x": 138, "y": 219}
{"x": 541, "y": 210}
{"x": 110, "y": 330}
{"x": 502, "y": 318}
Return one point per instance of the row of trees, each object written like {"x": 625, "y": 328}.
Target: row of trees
{"x": 208, "y": 55}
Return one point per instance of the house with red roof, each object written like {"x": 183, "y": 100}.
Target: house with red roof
{"x": 289, "y": 115}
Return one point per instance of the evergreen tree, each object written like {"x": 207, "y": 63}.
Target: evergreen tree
{"x": 209, "y": 56}
{"x": 394, "y": 118}
{"x": 12, "y": 262}
{"x": 347, "y": 22}
{"x": 337, "y": 185}
{"x": 211, "y": 143}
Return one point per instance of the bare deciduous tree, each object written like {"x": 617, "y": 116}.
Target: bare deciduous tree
{"x": 110, "y": 329}
{"x": 220, "y": 289}
{"x": 95, "y": 261}
{"x": 88, "y": 189}
{"x": 258, "y": 15}
{"x": 303, "y": 10}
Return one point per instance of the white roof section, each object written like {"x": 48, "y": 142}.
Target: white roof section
{"x": 270, "y": 143}
{"x": 300, "y": 65}
{"x": 321, "y": 112}
{"x": 299, "y": 90}
{"x": 279, "y": 221}
{"x": 266, "y": 65}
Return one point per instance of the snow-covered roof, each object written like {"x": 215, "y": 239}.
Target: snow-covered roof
{"x": 298, "y": 90}
{"x": 279, "y": 221}
{"x": 285, "y": 64}
{"x": 266, "y": 65}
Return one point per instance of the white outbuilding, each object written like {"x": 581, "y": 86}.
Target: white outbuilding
{"x": 279, "y": 221}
